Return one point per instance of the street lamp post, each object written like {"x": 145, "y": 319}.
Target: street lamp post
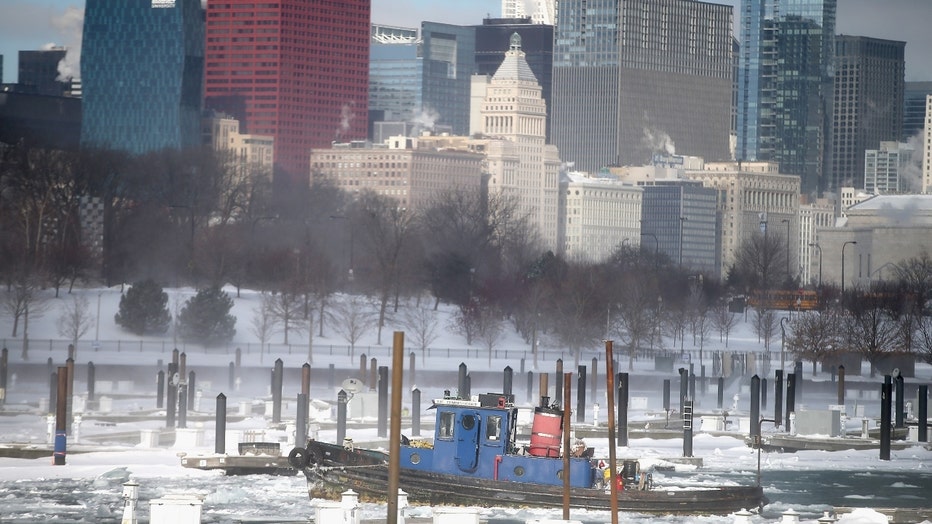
{"x": 656, "y": 246}
{"x": 843, "y": 246}
{"x": 782, "y": 342}
{"x": 817, "y": 246}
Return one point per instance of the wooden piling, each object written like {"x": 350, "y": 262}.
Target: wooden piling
{"x": 220, "y": 426}
{"x": 394, "y": 440}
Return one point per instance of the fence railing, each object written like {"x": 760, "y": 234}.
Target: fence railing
{"x": 58, "y": 348}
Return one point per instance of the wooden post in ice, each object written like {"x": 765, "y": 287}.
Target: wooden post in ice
{"x": 900, "y": 402}
{"x": 886, "y": 391}
{"x": 622, "y": 421}
{"x": 544, "y": 390}
{"x": 721, "y": 392}
{"x": 416, "y": 412}
{"x": 558, "y": 384}
{"x": 383, "y": 402}
{"x": 362, "y": 368}
{"x": 923, "y": 413}
{"x": 373, "y": 374}
{"x": 300, "y": 436}
{"x": 277, "y": 391}
{"x": 567, "y": 399}
{"x": 61, "y": 419}
{"x": 191, "y": 389}
{"x": 778, "y": 397}
{"x": 461, "y": 381}
{"x": 594, "y": 380}
{"x": 53, "y": 392}
{"x": 684, "y": 393}
{"x": 507, "y": 378}
{"x": 581, "y": 395}
{"x": 763, "y": 393}
{"x": 841, "y": 385}
{"x": 160, "y": 389}
{"x": 306, "y": 379}
{"x": 171, "y": 393}
{"x": 4, "y": 357}
{"x": 666, "y": 400}
{"x": 220, "y": 430}
{"x": 90, "y": 381}
{"x": 790, "y": 398}
{"x": 341, "y": 416}
{"x": 69, "y": 393}
{"x": 755, "y": 408}
{"x": 528, "y": 394}
{"x": 394, "y": 441}
{"x": 412, "y": 368}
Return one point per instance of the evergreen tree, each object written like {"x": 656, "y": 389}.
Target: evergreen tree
{"x": 206, "y": 317}
{"x": 144, "y": 309}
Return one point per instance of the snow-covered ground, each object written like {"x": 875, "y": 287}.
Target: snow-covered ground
{"x": 108, "y": 452}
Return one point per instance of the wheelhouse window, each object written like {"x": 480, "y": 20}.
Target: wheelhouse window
{"x": 447, "y": 421}
{"x": 493, "y": 427}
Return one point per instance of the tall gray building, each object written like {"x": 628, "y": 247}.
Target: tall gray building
{"x": 868, "y": 106}
{"x": 636, "y": 77}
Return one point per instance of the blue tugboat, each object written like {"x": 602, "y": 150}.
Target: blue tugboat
{"x": 474, "y": 460}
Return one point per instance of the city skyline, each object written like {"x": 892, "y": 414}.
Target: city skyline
{"x": 33, "y": 24}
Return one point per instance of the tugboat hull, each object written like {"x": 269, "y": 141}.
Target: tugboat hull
{"x": 331, "y": 470}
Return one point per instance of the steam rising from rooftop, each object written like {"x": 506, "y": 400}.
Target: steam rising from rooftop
{"x": 70, "y": 25}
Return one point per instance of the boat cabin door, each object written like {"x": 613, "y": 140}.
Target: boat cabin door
{"x": 467, "y": 440}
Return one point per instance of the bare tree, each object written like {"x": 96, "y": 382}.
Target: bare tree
{"x": 264, "y": 323}
{"x": 490, "y": 329}
{"x": 723, "y": 321}
{"x": 636, "y": 311}
{"x": 923, "y": 338}
{"x": 287, "y": 308}
{"x": 765, "y": 326}
{"x": 422, "y": 326}
{"x": 75, "y": 320}
{"x": 387, "y": 230}
{"x": 22, "y": 295}
{"x": 814, "y": 336}
{"x": 466, "y": 319}
{"x": 869, "y": 328}
{"x": 352, "y": 318}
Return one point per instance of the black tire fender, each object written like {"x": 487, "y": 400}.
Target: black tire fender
{"x": 298, "y": 458}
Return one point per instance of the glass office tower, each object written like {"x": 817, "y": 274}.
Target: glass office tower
{"x": 141, "y": 72}
{"x": 785, "y": 87}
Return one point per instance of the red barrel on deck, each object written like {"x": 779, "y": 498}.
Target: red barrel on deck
{"x": 546, "y": 431}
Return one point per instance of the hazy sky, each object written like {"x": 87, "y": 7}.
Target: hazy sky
{"x": 30, "y": 24}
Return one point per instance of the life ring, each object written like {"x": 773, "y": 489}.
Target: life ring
{"x": 298, "y": 458}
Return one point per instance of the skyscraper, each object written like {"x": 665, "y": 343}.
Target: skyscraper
{"x": 142, "y": 68}
{"x": 521, "y": 165}
{"x": 868, "y": 106}
{"x": 449, "y": 61}
{"x": 38, "y": 71}
{"x": 785, "y": 86}
{"x": 493, "y": 40}
{"x": 296, "y": 70}
{"x": 636, "y": 77}
{"x": 395, "y": 74}
{"x": 914, "y": 109}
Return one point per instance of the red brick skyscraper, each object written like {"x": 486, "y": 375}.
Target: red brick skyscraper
{"x": 294, "y": 69}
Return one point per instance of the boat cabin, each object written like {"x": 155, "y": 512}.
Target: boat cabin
{"x": 476, "y": 438}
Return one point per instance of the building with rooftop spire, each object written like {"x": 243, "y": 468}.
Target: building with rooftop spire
{"x": 513, "y": 116}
